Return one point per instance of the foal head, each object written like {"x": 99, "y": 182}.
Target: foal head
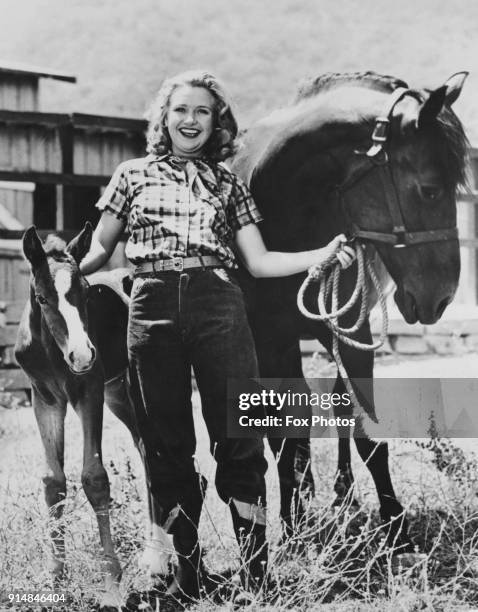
{"x": 59, "y": 291}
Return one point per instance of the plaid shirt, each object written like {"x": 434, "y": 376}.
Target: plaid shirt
{"x": 178, "y": 208}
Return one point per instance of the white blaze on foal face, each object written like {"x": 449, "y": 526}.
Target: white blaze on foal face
{"x": 78, "y": 351}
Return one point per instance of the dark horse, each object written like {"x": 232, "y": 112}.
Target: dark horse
{"x": 365, "y": 155}
{"x": 71, "y": 339}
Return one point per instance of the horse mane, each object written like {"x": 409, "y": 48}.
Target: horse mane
{"x": 446, "y": 129}
{"x": 54, "y": 247}
{"x": 312, "y": 86}
{"x": 453, "y": 147}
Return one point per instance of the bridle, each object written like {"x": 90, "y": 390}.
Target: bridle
{"x": 380, "y": 163}
{"x": 326, "y": 275}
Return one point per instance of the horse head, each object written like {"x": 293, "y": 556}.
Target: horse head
{"x": 58, "y": 294}
{"x": 400, "y": 194}
{"x": 364, "y": 154}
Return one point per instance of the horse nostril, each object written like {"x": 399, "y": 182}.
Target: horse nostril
{"x": 93, "y": 353}
{"x": 71, "y": 357}
{"x": 441, "y": 306}
{"x": 411, "y": 301}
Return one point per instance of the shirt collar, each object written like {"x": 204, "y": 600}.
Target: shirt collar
{"x": 202, "y": 164}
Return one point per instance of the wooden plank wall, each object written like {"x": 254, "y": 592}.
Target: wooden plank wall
{"x": 14, "y": 274}
{"x": 19, "y": 92}
{"x": 76, "y": 145}
{"x": 25, "y": 148}
{"x": 18, "y": 200}
{"x": 102, "y": 152}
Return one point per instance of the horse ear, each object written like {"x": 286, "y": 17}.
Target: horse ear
{"x": 445, "y": 95}
{"x": 454, "y": 85}
{"x": 80, "y": 245}
{"x": 33, "y": 248}
{"x": 432, "y": 106}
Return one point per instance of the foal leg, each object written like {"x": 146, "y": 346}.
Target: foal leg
{"x": 51, "y": 424}
{"x": 158, "y": 548}
{"x": 89, "y": 407}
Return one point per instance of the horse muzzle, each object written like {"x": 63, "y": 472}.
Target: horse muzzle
{"x": 81, "y": 362}
{"x": 416, "y": 309}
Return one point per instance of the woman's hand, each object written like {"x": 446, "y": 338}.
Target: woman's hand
{"x": 338, "y": 246}
{"x": 105, "y": 238}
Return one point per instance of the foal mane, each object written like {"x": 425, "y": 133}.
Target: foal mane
{"x": 54, "y": 247}
{"x": 446, "y": 129}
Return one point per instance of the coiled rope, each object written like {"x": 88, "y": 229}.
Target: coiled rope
{"x": 327, "y": 275}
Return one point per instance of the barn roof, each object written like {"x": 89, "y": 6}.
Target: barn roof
{"x": 28, "y": 69}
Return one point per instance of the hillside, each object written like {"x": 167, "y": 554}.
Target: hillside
{"x": 121, "y": 50}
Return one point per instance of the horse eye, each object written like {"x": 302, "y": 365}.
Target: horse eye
{"x": 430, "y": 192}
{"x": 41, "y": 300}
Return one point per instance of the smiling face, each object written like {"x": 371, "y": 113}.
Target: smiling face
{"x": 190, "y": 120}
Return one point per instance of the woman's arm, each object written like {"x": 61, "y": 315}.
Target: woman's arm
{"x": 263, "y": 263}
{"x": 105, "y": 238}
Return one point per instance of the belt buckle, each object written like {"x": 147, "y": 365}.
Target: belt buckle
{"x": 178, "y": 264}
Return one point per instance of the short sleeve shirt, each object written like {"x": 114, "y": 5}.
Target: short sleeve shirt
{"x": 174, "y": 207}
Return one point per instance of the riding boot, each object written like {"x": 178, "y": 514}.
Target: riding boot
{"x": 186, "y": 583}
{"x": 248, "y": 521}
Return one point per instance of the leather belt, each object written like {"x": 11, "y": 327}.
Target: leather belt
{"x": 178, "y": 264}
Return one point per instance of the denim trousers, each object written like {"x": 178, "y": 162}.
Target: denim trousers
{"x": 177, "y": 320}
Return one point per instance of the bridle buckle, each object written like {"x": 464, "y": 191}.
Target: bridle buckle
{"x": 380, "y": 131}
{"x": 379, "y": 138}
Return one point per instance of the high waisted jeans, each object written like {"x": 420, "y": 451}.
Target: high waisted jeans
{"x": 179, "y": 320}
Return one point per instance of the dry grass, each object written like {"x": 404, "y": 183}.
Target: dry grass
{"x": 338, "y": 561}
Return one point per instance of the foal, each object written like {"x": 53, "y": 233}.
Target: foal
{"x": 57, "y": 348}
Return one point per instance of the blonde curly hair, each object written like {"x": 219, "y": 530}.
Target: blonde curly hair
{"x": 221, "y": 144}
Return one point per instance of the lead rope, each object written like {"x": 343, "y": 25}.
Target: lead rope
{"x": 327, "y": 275}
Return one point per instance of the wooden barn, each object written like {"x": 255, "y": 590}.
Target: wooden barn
{"x": 54, "y": 166}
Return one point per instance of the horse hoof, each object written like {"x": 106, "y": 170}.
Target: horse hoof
{"x": 57, "y": 572}
{"x": 111, "y": 600}
{"x": 155, "y": 560}
{"x": 406, "y": 561}
{"x": 243, "y": 599}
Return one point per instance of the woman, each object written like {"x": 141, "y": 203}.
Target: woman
{"x": 187, "y": 215}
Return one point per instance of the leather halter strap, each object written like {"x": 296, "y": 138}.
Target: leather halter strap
{"x": 382, "y": 122}
{"x": 381, "y": 164}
